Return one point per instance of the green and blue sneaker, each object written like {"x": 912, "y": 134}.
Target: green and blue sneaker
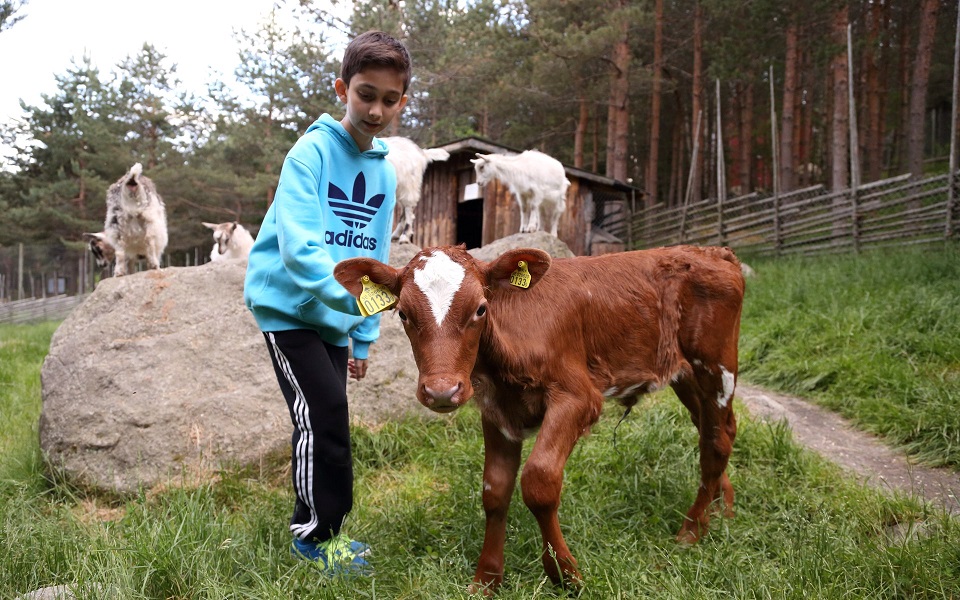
{"x": 337, "y": 556}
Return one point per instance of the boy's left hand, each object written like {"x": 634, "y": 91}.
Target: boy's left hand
{"x": 357, "y": 368}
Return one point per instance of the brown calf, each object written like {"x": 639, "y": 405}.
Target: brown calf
{"x": 546, "y": 355}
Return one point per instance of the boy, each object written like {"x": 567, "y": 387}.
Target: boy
{"x": 335, "y": 200}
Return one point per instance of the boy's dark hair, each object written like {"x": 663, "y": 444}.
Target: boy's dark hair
{"x": 375, "y": 49}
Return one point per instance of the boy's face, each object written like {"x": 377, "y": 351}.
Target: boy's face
{"x": 373, "y": 98}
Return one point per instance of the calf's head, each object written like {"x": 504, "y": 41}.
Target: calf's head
{"x": 447, "y": 301}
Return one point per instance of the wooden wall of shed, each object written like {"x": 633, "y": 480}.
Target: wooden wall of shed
{"x": 436, "y": 214}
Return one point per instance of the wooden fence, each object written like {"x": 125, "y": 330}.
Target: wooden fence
{"x": 890, "y": 212}
{"x": 30, "y": 310}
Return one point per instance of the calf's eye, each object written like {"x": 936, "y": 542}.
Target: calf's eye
{"x": 403, "y": 317}
{"x": 482, "y": 310}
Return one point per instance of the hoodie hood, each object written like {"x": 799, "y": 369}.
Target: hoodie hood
{"x": 344, "y": 139}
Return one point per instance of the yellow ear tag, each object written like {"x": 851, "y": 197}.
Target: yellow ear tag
{"x": 374, "y": 298}
{"x": 521, "y": 277}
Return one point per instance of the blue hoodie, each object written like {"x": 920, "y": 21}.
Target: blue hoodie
{"x": 333, "y": 202}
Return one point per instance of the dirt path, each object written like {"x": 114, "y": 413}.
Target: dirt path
{"x": 870, "y": 460}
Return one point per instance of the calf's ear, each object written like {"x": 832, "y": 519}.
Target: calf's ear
{"x": 500, "y": 272}
{"x": 350, "y": 274}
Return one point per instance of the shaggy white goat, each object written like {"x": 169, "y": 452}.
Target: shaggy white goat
{"x": 538, "y": 182}
{"x": 101, "y": 249}
{"x": 410, "y": 162}
{"x": 136, "y": 223}
{"x": 231, "y": 241}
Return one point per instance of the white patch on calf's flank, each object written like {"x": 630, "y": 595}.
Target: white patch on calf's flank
{"x": 439, "y": 278}
{"x": 728, "y": 384}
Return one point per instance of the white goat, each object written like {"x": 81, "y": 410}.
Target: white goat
{"x": 231, "y": 241}
{"x": 136, "y": 223}
{"x": 410, "y": 162}
{"x": 538, "y": 182}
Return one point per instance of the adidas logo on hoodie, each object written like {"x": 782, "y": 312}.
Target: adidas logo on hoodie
{"x": 355, "y": 212}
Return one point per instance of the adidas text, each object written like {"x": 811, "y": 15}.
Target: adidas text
{"x": 350, "y": 240}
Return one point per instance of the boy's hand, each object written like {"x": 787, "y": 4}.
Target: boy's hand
{"x": 357, "y": 368}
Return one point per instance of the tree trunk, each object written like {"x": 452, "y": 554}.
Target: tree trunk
{"x": 676, "y": 164}
{"x": 840, "y": 123}
{"x": 654, "y": 157}
{"x": 903, "y": 124}
{"x": 805, "y": 164}
{"x": 918, "y": 86}
{"x": 746, "y": 138}
{"x": 596, "y": 146}
{"x": 696, "y": 193}
{"x": 787, "y": 122}
{"x": 873, "y": 144}
{"x": 581, "y": 132}
{"x": 617, "y": 120}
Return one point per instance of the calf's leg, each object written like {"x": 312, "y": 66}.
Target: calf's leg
{"x": 542, "y": 479}
{"x": 500, "y": 466}
{"x": 711, "y": 410}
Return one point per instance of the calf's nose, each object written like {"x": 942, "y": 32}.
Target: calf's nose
{"x": 437, "y": 398}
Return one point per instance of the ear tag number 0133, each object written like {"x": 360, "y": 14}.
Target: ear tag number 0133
{"x": 521, "y": 277}
{"x": 374, "y": 298}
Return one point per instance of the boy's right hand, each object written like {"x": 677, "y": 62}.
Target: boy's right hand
{"x": 357, "y": 368}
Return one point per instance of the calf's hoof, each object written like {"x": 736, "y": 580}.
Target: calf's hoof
{"x": 488, "y": 589}
{"x": 691, "y": 532}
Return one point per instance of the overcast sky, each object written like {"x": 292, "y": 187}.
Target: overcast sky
{"x": 196, "y": 35}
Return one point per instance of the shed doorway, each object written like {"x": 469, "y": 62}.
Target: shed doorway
{"x": 470, "y": 223}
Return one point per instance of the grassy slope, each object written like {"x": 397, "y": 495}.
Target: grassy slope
{"x": 875, "y": 337}
{"x": 801, "y": 530}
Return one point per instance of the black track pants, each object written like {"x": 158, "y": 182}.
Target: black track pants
{"x": 313, "y": 378}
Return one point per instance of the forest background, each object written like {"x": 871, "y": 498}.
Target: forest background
{"x": 624, "y": 88}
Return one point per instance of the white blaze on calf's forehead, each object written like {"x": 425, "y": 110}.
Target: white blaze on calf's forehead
{"x": 439, "y": 278}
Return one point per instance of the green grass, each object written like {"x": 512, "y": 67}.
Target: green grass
{"x": 874, "y": 337}
{"x": 802, "y": 530}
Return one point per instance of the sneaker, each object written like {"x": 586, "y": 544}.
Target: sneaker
{"x": 337, "y": 556}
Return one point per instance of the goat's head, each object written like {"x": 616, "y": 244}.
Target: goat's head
{"x": 484, "y": 168}
{"x": 222, "y": 232}
{"x": 101, "y": 249}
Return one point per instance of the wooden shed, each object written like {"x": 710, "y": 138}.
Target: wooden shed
{"x": 453, "y": 209}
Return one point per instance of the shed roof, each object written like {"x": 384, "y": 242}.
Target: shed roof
{"x": 476, "y": 144}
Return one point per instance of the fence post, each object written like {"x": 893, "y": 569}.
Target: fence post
{"x": 952, "y": 176}
{"x": 854, "y": 146}
{"x": 721, "y": 173}
{"x": 20, "y": 274}
{"x": 951, "y": 203}
{"x": 774, "y": 148}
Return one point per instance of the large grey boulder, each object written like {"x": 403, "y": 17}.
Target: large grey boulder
{"x": 542, "y": 240}
{"x": 159, "y": 375}
{"x": 163, "y": 376}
